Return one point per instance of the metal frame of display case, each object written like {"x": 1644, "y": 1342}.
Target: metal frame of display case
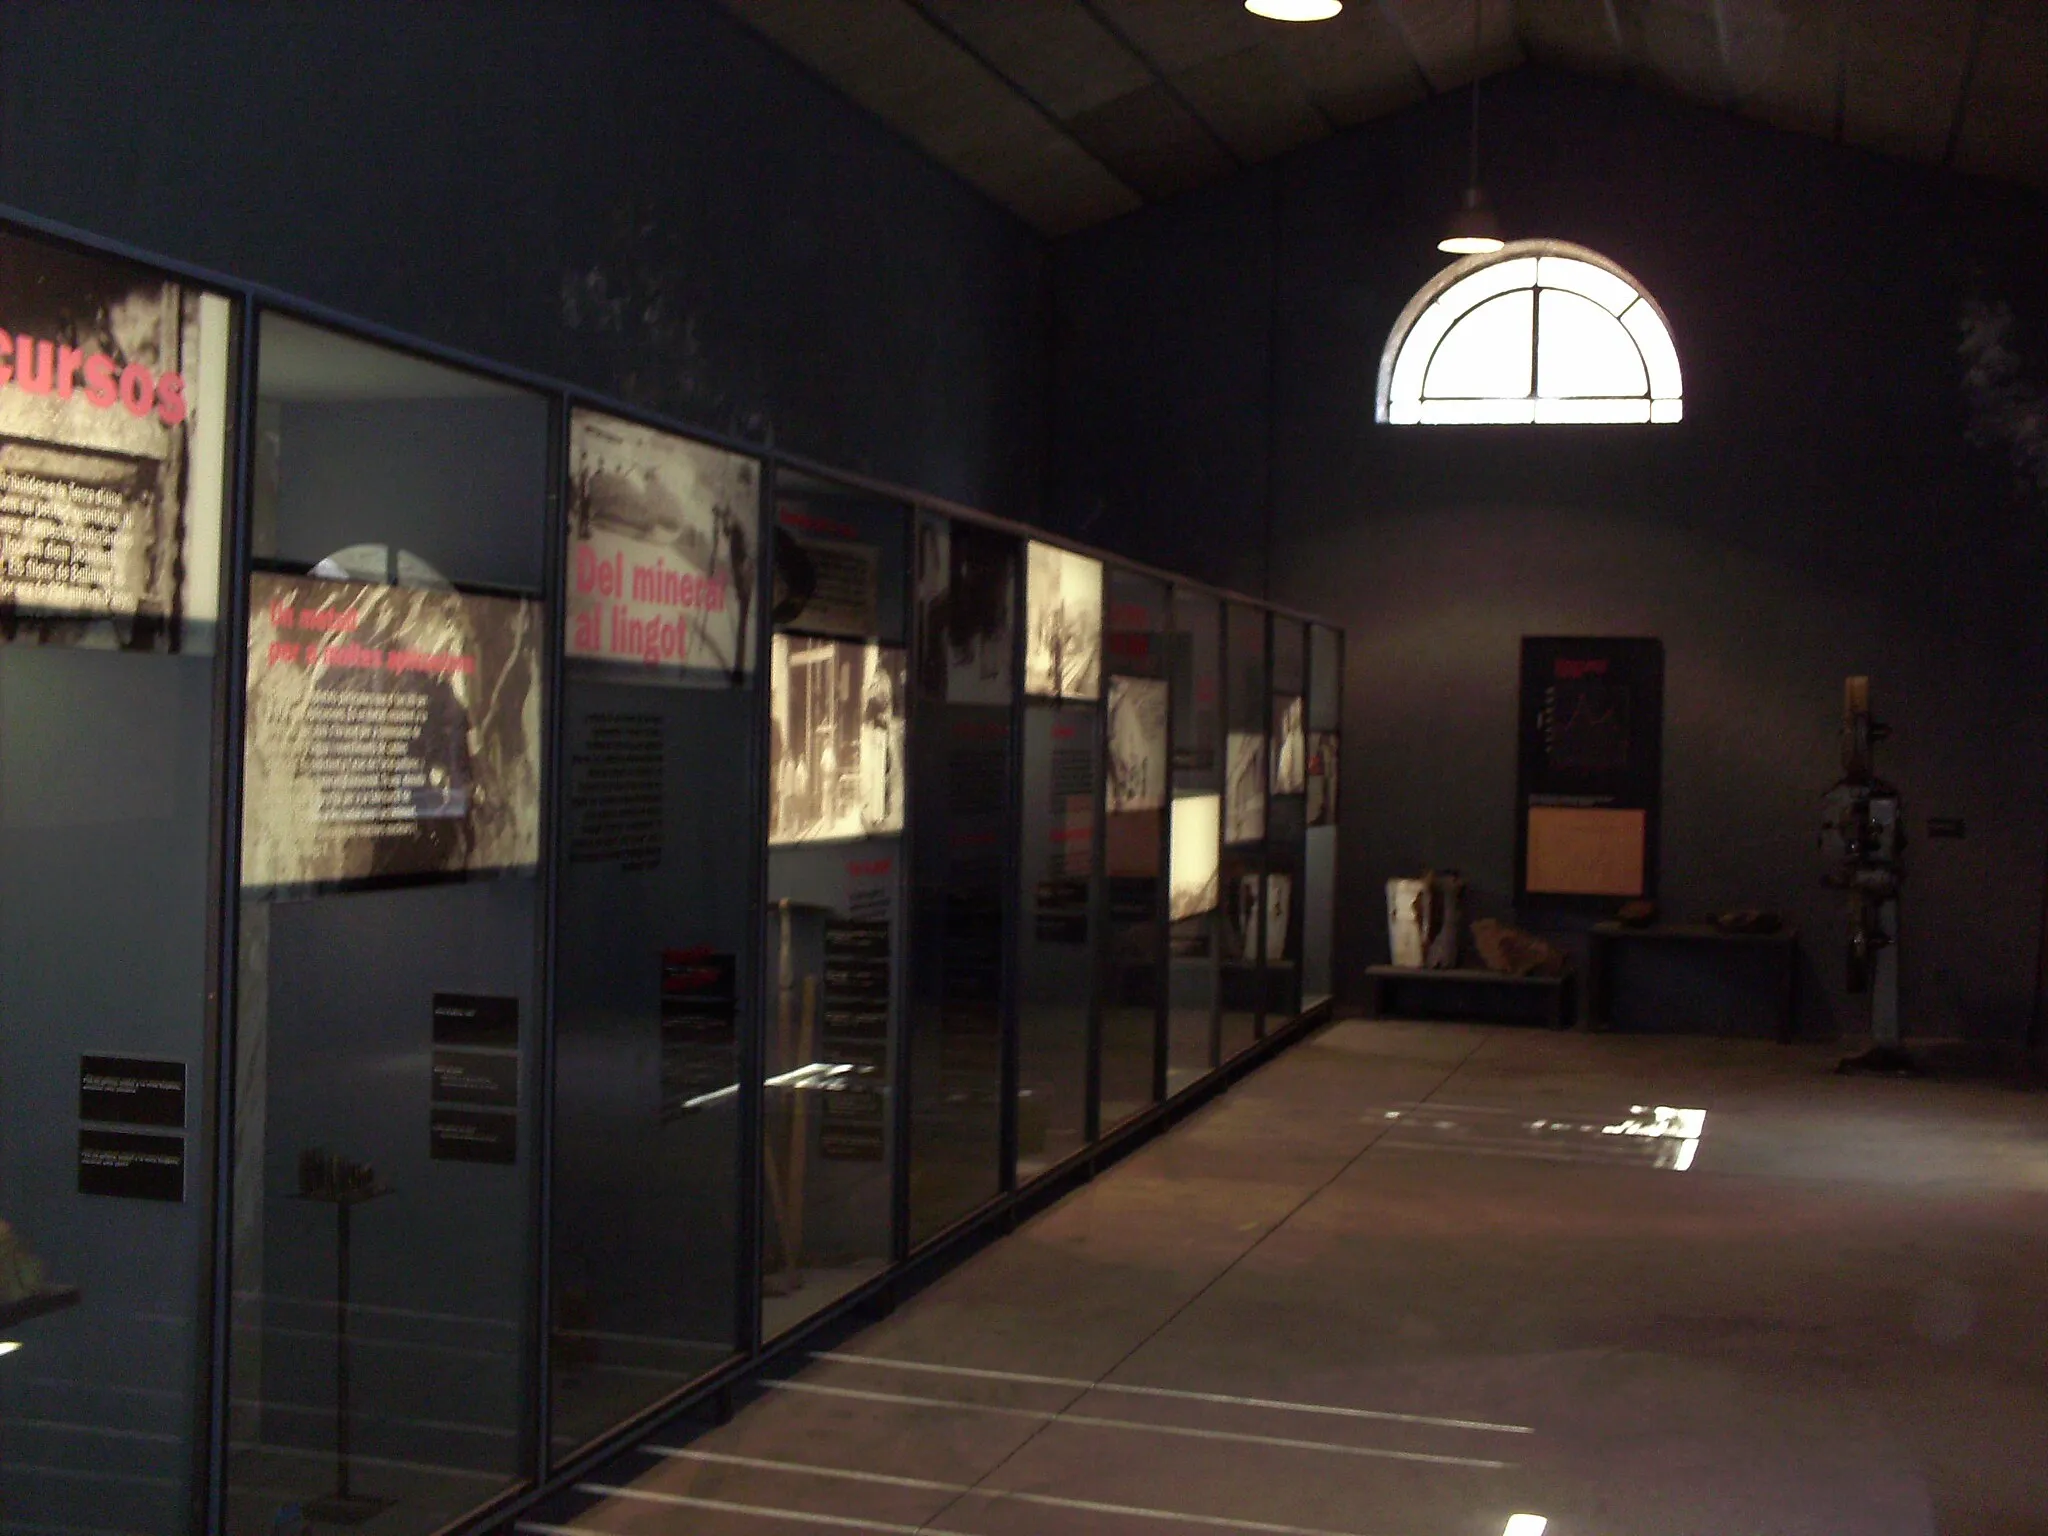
{"x": 910, "y": 1265}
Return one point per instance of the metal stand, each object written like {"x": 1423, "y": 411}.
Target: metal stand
{"x": 343, "y": 1506}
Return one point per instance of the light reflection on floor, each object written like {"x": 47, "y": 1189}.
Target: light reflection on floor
{"x": 1654, "y": 1136}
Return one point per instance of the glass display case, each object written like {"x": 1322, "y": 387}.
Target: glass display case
{"x": 516, "y": 912}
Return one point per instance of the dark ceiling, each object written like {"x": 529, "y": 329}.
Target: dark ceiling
{"x": 1069, "y": 112}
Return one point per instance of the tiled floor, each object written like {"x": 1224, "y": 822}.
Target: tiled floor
{"x": 1416, "y": 1280}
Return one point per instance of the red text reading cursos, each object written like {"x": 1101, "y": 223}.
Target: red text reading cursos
{"x": 53, "y": 368}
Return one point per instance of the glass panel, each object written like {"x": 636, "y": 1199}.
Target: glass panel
{"x": 1419, "y": 346}
{"x": 1582, "y": 350}
{"x": 1195, "y": 658}
{"x": 1486, "y": 412}
{"x": 1589, "y": 411}
{"x": 1486, "y": 355}
{"x": 1285, "y": 823}
{"x": 967, "y": 579}
{"x": 654, "y": 902}
{"x": 1057, "y": 938}
{"x": 1611, "y": 293}
{"x": 1244, "y": 824}
{"x": 837, "y": 742}
{"x": 388, "y": 1005}
{"x": 1134, "y": 844}
{"x": 1319, "y": 855}
{"x": 114, "y": 407}
{"x": 1659, "y": 355}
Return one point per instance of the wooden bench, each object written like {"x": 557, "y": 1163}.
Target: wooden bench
{"x": 1402, "y": 992}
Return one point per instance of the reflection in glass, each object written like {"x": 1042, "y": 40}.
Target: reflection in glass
{"x": 1286, "y": 824}
{"x": 1135, "y": 827}
{"x": 1247, "y": 721}
{"x": 387, "y": 1009}
{"x": 109, "y": 577}
{"x": 1194, "y": 670}
{"x": 1321, "y": 809}
{"x": 838, "y": 702}
{"x": 654, "y": 906}
{"x": 967, "y": 579}
{"x": 1059, "y": 930}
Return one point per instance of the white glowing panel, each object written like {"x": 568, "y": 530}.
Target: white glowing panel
{"x": 1525, "y": 1525}
{"x": 1581, "y": 351}
{"x": 1532, "y": 338}
{"x": 1609, "y": 290}
{"x": 1196, "y": 834}
{"x": 1486, "y": 355}
{"x": 1661, "y": 357}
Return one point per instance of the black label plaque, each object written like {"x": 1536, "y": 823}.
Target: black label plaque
{"x": 131, "y": 1165}
{"x": 489, "y": 1023}
{"x": 129, "y": 1090}
{"x": 476, "y": 1077}
{"x": 472, "y": 1136}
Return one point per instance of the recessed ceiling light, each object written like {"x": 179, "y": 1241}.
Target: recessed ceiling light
{"x": 1294, "y": 10}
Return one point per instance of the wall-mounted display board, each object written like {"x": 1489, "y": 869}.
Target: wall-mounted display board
{"x": 1062, "y": 623}
{"x": 661, "y": 551}
{"x": 835, "y": 759}
{"x": 1137, "y": 744}
{"x": 113, "y": 431}
{"x": 1322, "y": 778}
{"x": 1196, "y": 850}
{"x": 966, "y": 609}
{"x": 393, "y": 733}
{"x": 1590, "y": 768}
{"x": 1244, "y": 788}
{"x": 1290, "y": 745}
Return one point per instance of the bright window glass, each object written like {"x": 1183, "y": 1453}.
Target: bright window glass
{"x": 1540, "y": 332}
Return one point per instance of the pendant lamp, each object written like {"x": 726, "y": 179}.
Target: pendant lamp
{"x": 1473, "y": 230}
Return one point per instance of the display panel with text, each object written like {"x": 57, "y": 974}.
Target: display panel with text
{"x": 113, "y": 430}
{"x": 660, "y": 560}
{"x": 393, "y": 733}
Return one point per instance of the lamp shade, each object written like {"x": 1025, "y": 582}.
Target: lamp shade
{"x": 1473, "y": 230}
{"x": 1294, "y": 10}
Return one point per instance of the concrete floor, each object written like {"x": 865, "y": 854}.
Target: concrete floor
{"x": 1415, "y": 1280}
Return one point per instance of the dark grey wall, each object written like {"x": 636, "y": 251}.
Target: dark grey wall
{"x": 1823, "y": 509}
{"x": 643, "y": 197}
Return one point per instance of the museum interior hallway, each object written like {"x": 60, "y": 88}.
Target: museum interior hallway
{"x": 1422, "y": 1280}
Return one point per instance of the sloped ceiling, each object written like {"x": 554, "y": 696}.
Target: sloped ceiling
{"x": 1069, "y": 112}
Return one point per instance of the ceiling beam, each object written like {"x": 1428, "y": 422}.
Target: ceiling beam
{"x": 1109, "y": 24}
{"x": 1017, "y": 87}
{"x": 1955, "y": 122}
{"x": 1400, "y": 26}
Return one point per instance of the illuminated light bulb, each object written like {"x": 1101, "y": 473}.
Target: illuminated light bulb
{"x": 1473, "y": 231}
{"x": 9, "y": 1346}
{"x": 1294, "y": 10}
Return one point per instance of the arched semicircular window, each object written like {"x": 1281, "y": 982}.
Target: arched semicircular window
{"x": 1538, "y": 331}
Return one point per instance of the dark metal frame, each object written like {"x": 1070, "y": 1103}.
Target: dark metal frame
{"x": 541, "y": 1474}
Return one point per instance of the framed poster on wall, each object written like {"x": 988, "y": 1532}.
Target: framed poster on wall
{"x": 393, "y": 736}
{"x": 1589, "y": 771}
{"x": 660, "y": 563}
{"x": 113, "y": 436}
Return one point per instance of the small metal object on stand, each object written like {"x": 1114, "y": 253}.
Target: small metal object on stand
{"x": 1864, "y": 835}
{"x": 343, "y": 1506}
